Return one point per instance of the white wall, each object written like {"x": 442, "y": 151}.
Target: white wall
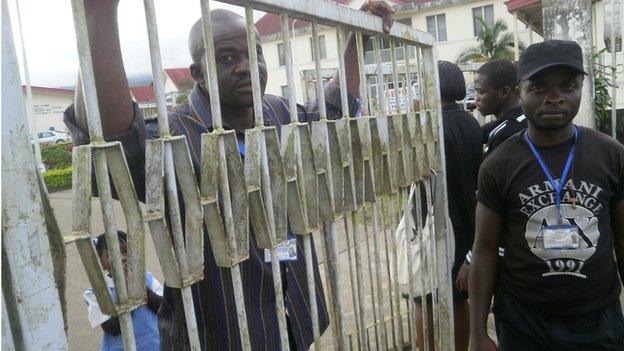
{"x": 599, "y": 44}
{"x": 48, "y": 110}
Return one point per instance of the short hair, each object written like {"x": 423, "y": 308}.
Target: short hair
{"x": 452, "y": 82}
{"x": 196, "y": 35}
{"x": 500, "y": 73}
{"x": 100, "y": 241}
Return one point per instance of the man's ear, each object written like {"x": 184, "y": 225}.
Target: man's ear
{"x": 196, "y": 73}
{"x": 505, "y": 92}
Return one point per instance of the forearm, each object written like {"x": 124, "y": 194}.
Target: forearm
{"x": 110, "y": 77}
{"x": 481, "y": 284}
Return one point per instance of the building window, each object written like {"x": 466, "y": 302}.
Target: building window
{"x": 486, "y": 14}
{"x": 280, "y": 54}
{"x": 285, "y": 91}
{"x": 322, "y": 48}
{"x": 407, "y": 21}
{"x": 436, "y": 25}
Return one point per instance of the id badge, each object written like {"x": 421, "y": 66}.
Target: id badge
{"x": 285, "y": 252}
{"x": 561, "y": 237}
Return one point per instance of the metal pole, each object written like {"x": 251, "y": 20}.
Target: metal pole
{"x": 280, "y": 310}
{"x": 215, "y": 108}
{"x": 32, "y": 124}
{"x": 516, "y": 39}
{"x": 33, "y": 319}
{"x": 175, "y": 218}
{"x": 101, "y": 167}
{"x": 614, "y": 74}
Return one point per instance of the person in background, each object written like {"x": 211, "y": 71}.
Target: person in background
{"x": 557, "y": 207}
{"x": 144, "y": 318}
{"x": 462, "y": 143}
{"x": 495, "y": 83}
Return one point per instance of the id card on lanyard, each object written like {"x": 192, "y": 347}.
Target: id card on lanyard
{"x": 559, "y": 236}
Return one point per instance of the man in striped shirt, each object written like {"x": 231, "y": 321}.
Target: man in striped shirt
{"x": 122, "y": 121}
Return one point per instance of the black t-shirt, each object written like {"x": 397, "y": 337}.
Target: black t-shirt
{"x": 511, "y": 182}
{"x": 511, "y": 123}
{"x": 462, "y": 143}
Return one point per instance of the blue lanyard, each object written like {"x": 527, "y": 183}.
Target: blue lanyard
{"x": 558, "y": 187}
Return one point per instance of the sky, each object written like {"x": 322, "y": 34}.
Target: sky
{"x": 50, "y": 41}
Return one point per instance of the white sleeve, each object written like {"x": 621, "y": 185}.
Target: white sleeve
{"x": 153, "y": 284}
{"x": 96, "y": 317}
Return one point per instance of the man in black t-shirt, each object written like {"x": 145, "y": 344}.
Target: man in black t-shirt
{"x": 553, "y": 197}
{"x": 495, "y": 83}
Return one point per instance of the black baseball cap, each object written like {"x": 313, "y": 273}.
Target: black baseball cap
{"x": 549, "y": 53}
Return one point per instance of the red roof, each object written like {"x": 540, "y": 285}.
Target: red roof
{"x": 271, "y": 24}
{"x": 52, "y": 91}
{"x": 513, "y": 5}
{"x": 143, "y": 94}
{"x": 181, "y": 78}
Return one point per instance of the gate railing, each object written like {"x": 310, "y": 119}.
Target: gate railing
{"x": 349, "y": 179}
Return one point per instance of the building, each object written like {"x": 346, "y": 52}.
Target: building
{"x": 48, "y": 107}
{"x": 453, "y": 22}
{"x": 178, "y": 81}
{"x": 144, "y": 97}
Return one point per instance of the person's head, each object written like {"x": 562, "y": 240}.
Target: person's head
{"x": 102, "y": 250}
{"x": 231, "y": 56}
{"x": 550, "y": 76}
{"x": 452, "y": 82}
{"x": 495, "y": 84}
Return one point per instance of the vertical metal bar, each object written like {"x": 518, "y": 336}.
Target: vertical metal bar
{"x": 215, "y": 108}
{"x": 354, "y": 296}
{"x": 380, "y": 293}
{"x": 395, "y": 276}
{"x": 381, "y": 87}
{"x": 409, "y": 242}
{"x": 175, "y": 219}
{"x": 362, "y": 71}
{"x": 441, "y": 211}
{"x": 290, "y": 75}
{"x": 32, "y": 125}
{"x": 341, "y": 40}
{"x": 376, "y": 307}
{"x": 336, "y": 303}
{"x": 101, "y": 168}
{"x": 259, "y": 119}
{"x": 613, "y": 73}
{"x": 359, "y": 282}
{"x": 395, "y": 77}
{"x": 320, "y": 94}
{"x": 408, "y": 78}
{"x": 384, "y": 232}
{"x": 34, "y": 319}
{"x": 425, "y": 280}
{"x": 434, "y": 283}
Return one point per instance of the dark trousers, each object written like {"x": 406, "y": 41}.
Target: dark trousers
{"x": 523, "y": 328}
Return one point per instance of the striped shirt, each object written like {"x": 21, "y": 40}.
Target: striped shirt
{"x": 213, "y": 296}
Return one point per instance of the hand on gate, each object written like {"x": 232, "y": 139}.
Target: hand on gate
{"x": 381, "y": 9}
{"x": 462, "y": 277}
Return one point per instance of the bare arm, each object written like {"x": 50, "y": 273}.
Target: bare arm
{"x": 482, "y": 275}
{"x": 378, "y": 8}
{"x": 111, "y": 84}
{"x": 617, "y": 216}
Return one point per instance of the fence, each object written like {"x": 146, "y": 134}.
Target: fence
{"x": 350, "y": 179}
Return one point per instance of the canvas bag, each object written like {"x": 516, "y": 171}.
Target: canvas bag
{"x": 420, "y": 243}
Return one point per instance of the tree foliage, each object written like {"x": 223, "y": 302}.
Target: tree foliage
{"x": 493, "y": 42}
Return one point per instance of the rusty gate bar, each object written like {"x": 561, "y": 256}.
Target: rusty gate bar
{"x": 265, "y": 179}
{"x": 228, "y": 232}
{"x": 130, "y": 291}
{"x": 167, "y": 165}
{"x": 32, "y": 321}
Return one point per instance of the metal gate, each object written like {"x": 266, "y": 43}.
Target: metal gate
{"x": 346, "y": 181}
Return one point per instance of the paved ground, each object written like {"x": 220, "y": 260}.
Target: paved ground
{"x": 83, "y": 337}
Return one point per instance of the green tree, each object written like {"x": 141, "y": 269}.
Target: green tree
{"x": 493, "y": 42}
